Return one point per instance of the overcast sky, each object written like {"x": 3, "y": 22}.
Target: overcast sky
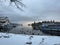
{"x": 37, "y": 9}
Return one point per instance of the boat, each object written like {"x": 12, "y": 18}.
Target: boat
{"x": 47, "y": 27}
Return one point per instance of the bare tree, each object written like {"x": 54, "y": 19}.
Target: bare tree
{"x": 18, "y": 3}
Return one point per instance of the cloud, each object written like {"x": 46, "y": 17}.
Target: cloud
{"x": 44, "y": 9}
{"x": 13, "y": 13}
{"x": 38, "y": 9}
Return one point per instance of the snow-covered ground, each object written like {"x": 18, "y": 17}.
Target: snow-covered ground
{"x": 26, "y": 30}
{"x": 19, "y": 39}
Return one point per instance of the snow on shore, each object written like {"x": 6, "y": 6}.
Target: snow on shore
{"x": 19, "y": 39}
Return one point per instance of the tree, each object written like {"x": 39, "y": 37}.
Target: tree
{"x": 17, "y": 2}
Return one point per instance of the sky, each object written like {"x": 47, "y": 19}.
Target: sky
{"x": 45, "y": 9}
{"x": 35, "y": 10}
